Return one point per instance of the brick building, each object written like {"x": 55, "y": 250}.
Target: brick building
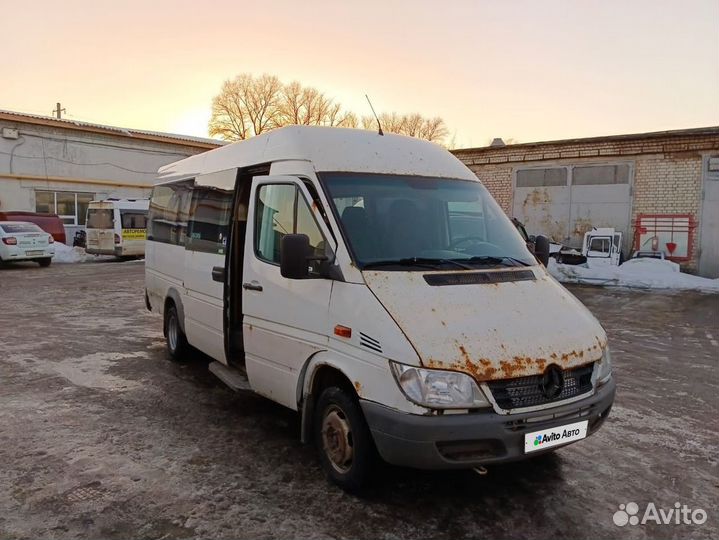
{"x": 660, "y": 189}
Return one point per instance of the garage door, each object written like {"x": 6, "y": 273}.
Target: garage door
{"x": 565, "y": 202}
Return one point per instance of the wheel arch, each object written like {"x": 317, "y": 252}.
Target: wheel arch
{"x": 174, "y": 297}
{"x": 319, "y": 372}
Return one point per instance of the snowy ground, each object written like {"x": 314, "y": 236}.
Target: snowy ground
{"x": 635, "y": 274}
{"x": 101, "y": 436}
{"x": 67, "y": 254}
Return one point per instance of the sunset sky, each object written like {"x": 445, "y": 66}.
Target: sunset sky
{"x": 529, "y": 70}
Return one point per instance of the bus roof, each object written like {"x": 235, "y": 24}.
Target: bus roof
{"x": 328, "y": 149}
{"x": 122, "y": 204}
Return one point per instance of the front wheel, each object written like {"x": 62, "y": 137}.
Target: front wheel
{"x": 343, "y": 439}
{"x": 176, "y": 341}
{"x": 44, "y": 262}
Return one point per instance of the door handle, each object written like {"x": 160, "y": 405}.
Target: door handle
{"x": 252, "y": 286}
{"x": 218, "y": 273}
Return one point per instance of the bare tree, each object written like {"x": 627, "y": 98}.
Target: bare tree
{"x": 412, "y": 125}
{"x": 247, "y": 106}
{"x": 304, "y": 105}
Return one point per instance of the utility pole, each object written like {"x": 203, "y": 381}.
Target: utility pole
{"x": 58, "y": 111}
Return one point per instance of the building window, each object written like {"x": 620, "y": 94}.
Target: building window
{"x": 70, "y": 206}
{"x": 530, "y": 178}
{"x": 594, "y": 175}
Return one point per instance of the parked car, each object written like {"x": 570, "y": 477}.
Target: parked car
{"x": 117, "y": 227}
{"x": 373, "y": 284}
{"x": 50, "y": 223}
{"x": 25, "y": 241}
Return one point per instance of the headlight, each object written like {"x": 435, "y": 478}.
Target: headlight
{"x": 437, "y": 389}
{"x": 604, "y": 370}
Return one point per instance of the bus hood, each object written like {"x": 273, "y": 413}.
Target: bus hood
{"x": 493, "y": 330}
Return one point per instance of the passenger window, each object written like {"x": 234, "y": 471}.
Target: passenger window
{"x": 209, "y": 223}
{"x": 282, "y": 210}
{"x": 169, "y": 207}
{"x": 133, "y": 219}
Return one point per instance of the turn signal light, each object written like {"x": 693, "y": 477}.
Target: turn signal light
{"x": 117, "y": 238}
{"x": 343, "y": 331}
{"x": 10, "y": 241}
{"x": 50, "y": 240}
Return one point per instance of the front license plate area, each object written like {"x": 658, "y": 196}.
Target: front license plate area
{"x": 540, "y": 440}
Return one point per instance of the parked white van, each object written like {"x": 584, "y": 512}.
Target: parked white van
{"x": 372, "y": 283}
{"x": 117, "y": 227}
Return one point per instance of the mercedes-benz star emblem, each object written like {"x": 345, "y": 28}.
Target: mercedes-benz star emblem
{"x": 552, "y": 382}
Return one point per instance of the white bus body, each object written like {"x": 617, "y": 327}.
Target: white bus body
{"x": 372, "y": 284}
{"x": 117, "y": 227}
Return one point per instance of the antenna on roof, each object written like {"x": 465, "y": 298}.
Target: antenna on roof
{"x": 375, "y": 115}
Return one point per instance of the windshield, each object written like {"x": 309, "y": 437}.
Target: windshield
{"x": 421, "y": 221}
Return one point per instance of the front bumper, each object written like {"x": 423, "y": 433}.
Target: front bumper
{"x": 457, "y": 441}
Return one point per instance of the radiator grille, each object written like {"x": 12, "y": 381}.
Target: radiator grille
{"x": 527, "y": 391}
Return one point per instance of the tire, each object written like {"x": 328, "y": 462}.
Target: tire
{"x": 343, "y": 440}
{"x": 44, "y": 262}
{"x": 177, "y": 346}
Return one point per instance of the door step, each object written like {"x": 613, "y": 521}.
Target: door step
{"x": 232, "y": 377}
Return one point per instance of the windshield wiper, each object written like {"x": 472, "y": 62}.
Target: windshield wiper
{"x": 419, "y": 262}
{"x": 490, "y": 259}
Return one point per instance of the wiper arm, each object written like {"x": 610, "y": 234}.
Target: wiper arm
{"x": 490, "y": 259}
{"x": 419, "y": 262}
{"x": 399, "y": 262}
{"x": 455, "y": 262}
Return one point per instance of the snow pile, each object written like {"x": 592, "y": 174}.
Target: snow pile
{"x": 635, "y": 273}
{"x": 67, "y": 254}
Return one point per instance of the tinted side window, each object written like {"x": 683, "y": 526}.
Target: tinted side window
{"x": 133, "y": 219}
{"x": 169, "y": 209}
{"x": 209, "y": 222}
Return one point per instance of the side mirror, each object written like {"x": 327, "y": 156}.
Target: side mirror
{"x": 295, "y": 251}
{"x": 541, "y": 249}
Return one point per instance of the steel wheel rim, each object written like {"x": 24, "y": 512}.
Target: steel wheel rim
{"x": 337, "y": 441}
{"x": 172, "y": 332}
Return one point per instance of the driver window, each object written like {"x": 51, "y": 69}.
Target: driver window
{"x": 306, "y": 224}
{"x": 281, "y": 209}
{"x": 600, "y": 246}
{"x": 274, "y": 218}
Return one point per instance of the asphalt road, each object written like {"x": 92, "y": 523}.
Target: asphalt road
{"x": 102, "y": 436}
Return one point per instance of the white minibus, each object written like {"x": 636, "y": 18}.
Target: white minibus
{"x": 117, "y": 227}
{"x": 371, "y": 283}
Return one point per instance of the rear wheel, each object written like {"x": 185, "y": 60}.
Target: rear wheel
{"x": 44, "y": 262}
{"x": 343, "y": 439}
{"x": 176, "y": 341}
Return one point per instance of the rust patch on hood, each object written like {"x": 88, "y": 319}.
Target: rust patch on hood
{"x": 484, "y": 369}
